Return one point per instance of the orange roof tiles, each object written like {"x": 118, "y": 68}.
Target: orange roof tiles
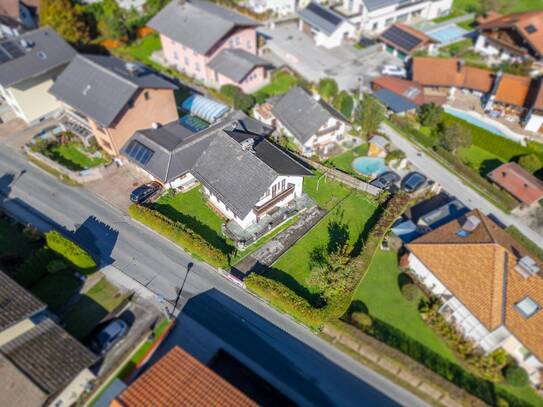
{"x": 538, "y": 103}
{"x": 519, "y": 22}
{"x": 437, "y": 71}
{"x": 179, "y": 380}
{"x": 513, "y": 89}
{"x": 518, "y": 182}
{"x": 477, "y": 269}
{"x": 408, "y": 89}
{"x": 477, "y": 79}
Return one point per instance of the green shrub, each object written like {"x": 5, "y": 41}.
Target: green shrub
{"x": 74, "y": 254}
{"x": 56, "y": 265}
{"x": 180, "y": 234}
{"x": 237, "y": 98}
{"x": 410, "y": 292}
{"x": 362, "y": 320}
{"x": 35, "y": 267}
{"x": 328, "y": 88}
{"x": 394, "y": 155}
{"x": 515, "y": 376}
{"x": 530, "y": 162}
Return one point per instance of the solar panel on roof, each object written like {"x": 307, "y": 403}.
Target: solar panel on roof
{"x": 530, "y": 29}
{"x": 139, "y": 152}
{"x": 12, "y": 49}
{"x": 401, "y": 38}
{"x": 323, "y": 13}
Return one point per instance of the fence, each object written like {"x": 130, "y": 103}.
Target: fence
{"x": 92, "y": 174}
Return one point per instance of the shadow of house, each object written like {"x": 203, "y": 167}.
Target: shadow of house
{"x": 97, "y": 238}
{"x": 212, "y": 322}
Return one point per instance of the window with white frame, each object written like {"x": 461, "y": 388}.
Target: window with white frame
{"x": 527, "y": 307}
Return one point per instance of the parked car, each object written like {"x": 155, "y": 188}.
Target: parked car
{"x": 385, "y": 180}
{"x": 393, "y": 70}
{"x": 144, "y": 192}
{"x": 413, "y": 181}
{"x": 108, "y": 336}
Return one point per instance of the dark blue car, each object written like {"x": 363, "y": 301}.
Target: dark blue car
{"x": 144, "y": 192}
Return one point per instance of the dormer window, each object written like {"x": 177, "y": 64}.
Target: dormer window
{"x": 527, "y": 307}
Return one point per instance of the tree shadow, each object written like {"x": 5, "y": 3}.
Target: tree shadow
{"x": 371, "y": 222}
{"x": 338, "y": 236}
{"x": 404, "y": 279}
{"x": 488, "y": 166}
{"x": 356, "y": 306}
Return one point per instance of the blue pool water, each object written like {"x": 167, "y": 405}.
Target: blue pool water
{"x": 447, "y": 34}
{"x": 370, "y": 166}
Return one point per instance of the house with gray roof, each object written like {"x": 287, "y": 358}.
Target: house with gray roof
{"x": 29, "y": 64}
{"x": 327, "y": 28}
{"x": 211, "y": 43}
{"x": 374, "y": 16}
{"x": 311, "y": 123}
{"x": 243, "y": 174}
{"x": 108, "y": 98}
{"x": 40, "y": 363}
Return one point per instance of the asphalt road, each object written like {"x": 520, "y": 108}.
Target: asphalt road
{"x": 455, "y": 186}
{"x": 115, "y": 239}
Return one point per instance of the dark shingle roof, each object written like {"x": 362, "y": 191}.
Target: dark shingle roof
{"x": 16, "y": 304}
{"x": 321, "y": 18}
{"x": 48, "y": 355}
{"x": 236, "y": 63}
{"x": 46, "y": 51}
{"x": 372, "y": 5}
{"x": 101, "y": 86}
{"x": 184, "y": 22}
{"x": 301, "y": 114}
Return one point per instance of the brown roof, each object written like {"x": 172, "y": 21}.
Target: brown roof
{"x": 408, "y": 89}
{"x": 518, "y": 182}
{"x": 177, "y": 380}
{"x": 520, "y": 23}
{"x": 478, "y": 268}
{"x": 513, "y": 89}
{"x": 409, "y": 31}
{"x": 477, "y": 79}
{"x": 10, "y": 8}
{"x": 538, "y": 103}
{"x": 437, "y": 71}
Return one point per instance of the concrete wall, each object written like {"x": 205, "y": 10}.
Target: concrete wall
{"x": 535, "y": 123}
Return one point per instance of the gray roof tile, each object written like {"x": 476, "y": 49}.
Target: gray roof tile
{"x": 101, "y": 86}
{"x": 16, "y": 304}
{"x": 321, "y": 18}
{"x": 393, "y": 101}
{"x": 373, "y": 5}
{"x": 302, "y": 115}
{"x": 197, "y": 24}
{"x": 46, "y": 51}
{"x": 236, "y": 63}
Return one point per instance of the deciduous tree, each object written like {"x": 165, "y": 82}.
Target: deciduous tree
{"x": 65, "y": 19}
{"x": 455, "y": 136}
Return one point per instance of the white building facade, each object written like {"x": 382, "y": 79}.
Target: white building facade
{"x": 280, "y": 7}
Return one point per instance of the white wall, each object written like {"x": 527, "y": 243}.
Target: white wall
{"x": 345, "y": 30}
{"x": 487, "y": 48}
{"x": 535, "y": 122}
{"x": 72, "y": 392}
{"x": 281, "y": 7}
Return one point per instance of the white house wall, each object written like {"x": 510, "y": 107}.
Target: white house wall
{"x": 535, "y": 122}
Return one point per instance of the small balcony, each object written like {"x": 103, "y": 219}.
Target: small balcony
{"x": 271, "y": 204}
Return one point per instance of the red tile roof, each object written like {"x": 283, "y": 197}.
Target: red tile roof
{"x": 518, "y": 182}
{"x": 513, "y": 89}
{"x": 179, "y": 380}
{"x": 408, "y": 89}
{"x": 477, "y": 79}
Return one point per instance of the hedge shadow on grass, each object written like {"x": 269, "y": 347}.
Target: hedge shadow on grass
{"x": 488, "y": 166}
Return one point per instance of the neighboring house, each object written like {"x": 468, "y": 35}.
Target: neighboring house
{"x": 17, "y": 16}
{"x": 377, "y": 15}
{"x": 511, "y": 37}
{"x": 309, "y": 121}
{"x": 40, "y": 363}
{"x": 400, "y": 95}
{"x": 525, "y": 187}
{"x": 244, "y": 176}
{"x": 510, "y": 95}
{"x": 377, "y": 146}
{"x": 29, "y": 64}
{"x": 491, "y": 289}
{"x": 279, "y": 7}
{"x": 534, "y": 118}
{"x": 212, "y": 44}
{"x": 110, "y": 99}
{"x": 402, "y": 41}
{"x": 179, "y": 379}
{"x": 327, "y": 28}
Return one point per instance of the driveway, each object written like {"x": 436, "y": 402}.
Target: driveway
{"x": 345, "y": 63}
{"x": 456, "y": 187}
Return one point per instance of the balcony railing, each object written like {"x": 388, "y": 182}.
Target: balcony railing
{"x": 261, "y": 210}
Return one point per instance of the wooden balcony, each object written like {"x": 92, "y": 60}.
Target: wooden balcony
{"x": 260, "y": 211}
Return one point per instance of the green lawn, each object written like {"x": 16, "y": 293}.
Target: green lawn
{"x": 56, "y": 289}
{"x": 192, "y": 209}
{"x": 281, "y": 83}
{"x": 479, "y": 159}
{"x": 293, "y": 268}
{"x": 325, "y": 191}
{"x": 461, "y": 7}
{"x": 379, "y": 291}
{"x": 143, "y": 48}
{"x": 91, "y": 308}
{"x": 344, "y": 161}
{"x": 71, "y": 156}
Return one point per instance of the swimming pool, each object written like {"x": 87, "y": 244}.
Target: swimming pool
{"x": 447, "y": 34}
{"x": 471, "y": 118}
{"x": 370, "y": 166}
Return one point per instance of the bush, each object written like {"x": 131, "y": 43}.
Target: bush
{"x": 410, "y": 292}
{"x": 515, "y": 376}
{"x": 74, "y": 254}
{"x": 530, "y": 162}
{"x": 362, "y": 320}
{"x": 394, "y": 155}
{"x": 180, "y": 234}
{"x": 34, "y": 268}
{"x": 54, "y": 266}
{"x": 236, "y": 98}
{"x": 328, "y": 88}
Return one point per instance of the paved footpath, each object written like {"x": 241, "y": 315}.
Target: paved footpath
{"x": 455, "y": 186}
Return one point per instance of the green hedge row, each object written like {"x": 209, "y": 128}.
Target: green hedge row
{"x": 180, "y": 234}
{"x": 34, "y": 267}
{"x": 78, "y": 257}
{"x": 288, "y": 301}
{"x": 480, "y": 388}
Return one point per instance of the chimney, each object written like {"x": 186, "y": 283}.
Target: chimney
{"x": 527, "y": 267}
{"x": 155, "y": 125}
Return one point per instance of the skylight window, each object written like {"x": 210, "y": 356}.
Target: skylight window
{"x": 527, "y": 307}
{"x": 530, "y": 29}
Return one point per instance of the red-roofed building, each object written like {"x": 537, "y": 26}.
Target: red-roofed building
{"x": 534, "y": 119}
{"x": 518, "y": 182}
{"x": 403, "y": 87}
{"x": 178, "y": 380}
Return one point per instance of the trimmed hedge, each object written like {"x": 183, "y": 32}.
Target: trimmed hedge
{"x": 516, "y": 376}
{"x": 74, "y": 254}
{"x": 180, "y": 234}
{"x": 34, "y": 267}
